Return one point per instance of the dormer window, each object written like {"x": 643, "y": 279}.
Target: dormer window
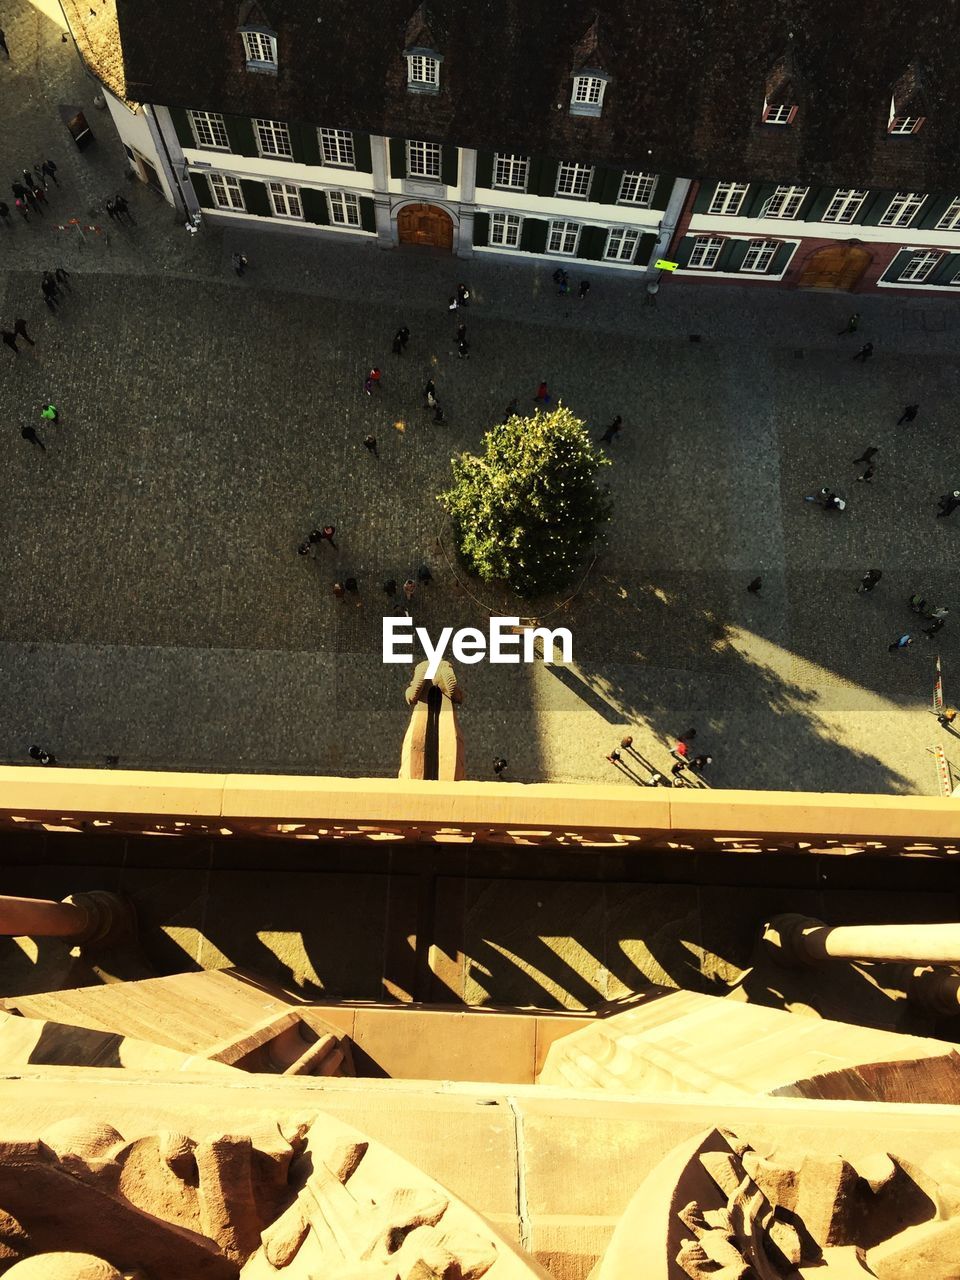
{"x": 778, "y": 113}
{"x": 423, "y": 71}
{"x": 259, "y": 38}
{"x": 908, "y": 102}
{"x": 587, "y": 96}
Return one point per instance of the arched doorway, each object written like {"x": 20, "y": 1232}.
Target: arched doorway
{"x": 836, "y": 266}
{"x": 425, "y": 224}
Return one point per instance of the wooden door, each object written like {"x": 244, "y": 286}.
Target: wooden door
{"x": 425, "y": 224}
{"x": 836, "y": 266}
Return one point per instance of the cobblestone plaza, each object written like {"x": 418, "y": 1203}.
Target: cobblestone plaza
{"x": 155, "y": 607}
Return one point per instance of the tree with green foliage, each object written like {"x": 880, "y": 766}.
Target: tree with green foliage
{"x": 529, "y": 509}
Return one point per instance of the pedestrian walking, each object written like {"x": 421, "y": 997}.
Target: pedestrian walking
{"x": 947, "y": 715}
{"x": 867, "y": 456}
{"x": 424, "y": 576}
{"x": 338, "y": 591}
{"x": 452, "y": 304}
{"x": 918, "y": 604}
{"x": 50, "y": 169}
{"x": 42, "y": 177}
{"x": 3, "y": 45}
{"x": 699, "y": 763}
{"x": 50, "y": 279}
{"x": 324, "y": 535}
{"x": 867, "y": 475}
{"x": 614, "y": 756}
{"x": 368, "y": 385}
{"x": 511, "y": 409}
{"x": 463, "y": 349}
{"x": 21, "y": 208}
{"x": 403, "y": 333}
{"x": 19, "y": 190}
{"x": 626, "y": 742}
{"x": 910, "y": 411}
{"x": 29, "y": 181}
{"x": 677, "y": 770}
{"x": 611, "y": 431}
{"x": 461, "y": 332}
{"x": 680, "y": 750}
{"x": 304, "y": 548}
{"x": 50, "y": 412}
{"x": 583, "y": 290}
{"x": 463, "y": 295}
{"x": 351, "y": 585}
{"x": 948, "y": 502}
{"x": 397, "y": 347}
{"x": 5, "y": 213}
{"x": 373, "y": 377}
{"x": 20, "y": 329}
{"x": 390, "y": 586}
{"x": 852, "y": 325}
{"x": 936, "y": 625}
{"x": 62, "y": 277}
{"x": 429, "y": 393}
{"x": 499, "y": 765}
{"x": 370, "y": 442}
{"x": 754, "y": 586}
{"x": 28, "y": 433}
{"x": 938, "y": 612}
{"x": 11, "y": 340}
{"x": 409, "y": 588}
{"x": 49, "y": 290}
{"x": 564, "y": 289}
{"x": 123, "y": 211}
{"x": 865, "y": 352}
{"x": 437, "y": 412}
{"x": 903, "y": 643}
{"x": 239, "y": 263}
{"x": 869, "y": 581}
{"x": 41, "y": 756}
{"x": 111, "y": 209}
{"x": 559, "y": 276}
{"x": 33, "y": 202}
{"x": 543, "y": 395}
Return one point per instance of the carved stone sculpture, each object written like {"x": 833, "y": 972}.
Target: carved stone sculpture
{"x": 717, "y": 1209}
{"x": 294, "y": 1201}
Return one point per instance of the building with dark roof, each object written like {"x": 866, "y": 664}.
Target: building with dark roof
{"x": 805, "y": 144}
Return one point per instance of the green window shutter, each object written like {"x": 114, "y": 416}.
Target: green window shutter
{"x": 873, "y": 208}
{"x": 934, "y": 209}
{"x": 897, "y": 265}
{"x": 592, "y": 243}
{"x": 241, "y": 135}
{"x": 361, "y": 151}
{"x": 181, "y": 123}
{"x": 533, "y": 235}
{"x": 485, "y": 169}
{"x": 819, "y": 200}
{"x": 481, "y": 230}
{"x": 547, "y": 181}
{"x": 305, "y": 143}
{"x": 398, "y": 158}
{"x": 255, "y": 197}
{"x": 683, "y": 250}
{"x": 947, "y": 269}
{"x": 314, "y": 206}
{"x": 202, "y": 187}
{"x": 368, "y": 214}
{"x": 663, "y": 190}
{"x": 702, "y": 202}
{"x": 644, "y": 249}
{"x": 756, "y": 198}
{"x": 782, "y": 256}
{"x": 449, "y": 165}
{"x": 606, "y": 185}
{"x": 534, "y": 174}
{"x": 732, "y": 255}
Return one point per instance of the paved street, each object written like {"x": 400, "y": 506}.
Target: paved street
{"x": 154, "y": 605}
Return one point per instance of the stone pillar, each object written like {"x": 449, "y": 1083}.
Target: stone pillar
{"x": 381, "y": 195}
{"x": 85, "y": 917}
{"x": 801, "y": 940}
